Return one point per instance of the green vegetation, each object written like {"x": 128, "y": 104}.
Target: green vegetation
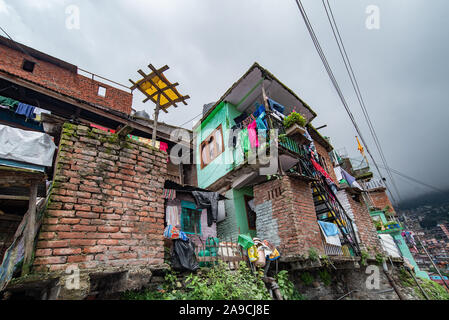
{"x": 287, "y": 288}
{"x": 313, "y": 254}
{"x": 325, "y": 277}
{"x": 380, "y": 258}
{"x": 306, "y": 278}
{"x": 294, "y": 118}
{"x": 433, "y": 290}
{"x": 218, "y": 283}
{"x": 364, "y": 258}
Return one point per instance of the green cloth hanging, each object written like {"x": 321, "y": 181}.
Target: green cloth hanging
{"x": 8, "y": 102}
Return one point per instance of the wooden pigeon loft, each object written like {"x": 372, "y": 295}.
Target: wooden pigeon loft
{"x": 158, "y": 89}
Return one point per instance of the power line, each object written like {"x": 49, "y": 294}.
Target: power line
{"x": 356, "y": 87}
{"x": 334, "y": 81}
{"x": 403, "y": 175}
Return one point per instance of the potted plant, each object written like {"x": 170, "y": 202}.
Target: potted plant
{"x": 294, "y": 125}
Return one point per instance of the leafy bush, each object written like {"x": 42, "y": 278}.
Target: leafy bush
{"x": 306, "y": 278}
{"x": 219, "y": 283}
{"x": 287, "y": 288}
{"x": 363, "y": 258}
{"x": 313, "y": 254}
{"x": 294, "y": 118}
{"x": 325, "y": 277}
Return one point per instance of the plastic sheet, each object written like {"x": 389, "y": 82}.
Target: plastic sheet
{"x": 26, "y": 146}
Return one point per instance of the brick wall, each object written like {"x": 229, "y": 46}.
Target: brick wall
{"x": 64, "y": 81}
{"x": 380, "y": 199}
{"x": 367, "y": 230}
{"x": 328, "y": 166}
{"x": 293, "y": 214}
{"x": 106, "y": 207}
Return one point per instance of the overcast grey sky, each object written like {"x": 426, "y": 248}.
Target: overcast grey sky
{"x": 401, "y": 67}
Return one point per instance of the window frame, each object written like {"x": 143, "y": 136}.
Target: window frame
{"x": 190, "y": 206}
{"x": 206, "y": 144}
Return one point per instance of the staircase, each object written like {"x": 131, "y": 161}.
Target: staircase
{"x": 329, "y": 209}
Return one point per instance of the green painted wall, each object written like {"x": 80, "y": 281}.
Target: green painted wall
{"x": 402, "y": 245}
{"x": 240, "y": 210}
{"x": 235, "y": 215}
{"x": 407, "y": 254}
{"x": 223, "y": 114}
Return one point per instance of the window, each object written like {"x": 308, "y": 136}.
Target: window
{"x": 28, "y": 65}
{"x": 102, "y": 91}
{"x": 190, "y": 218}
{"x": 212, "y": 147}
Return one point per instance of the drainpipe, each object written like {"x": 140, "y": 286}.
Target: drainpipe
{"x": 390, "y": 279}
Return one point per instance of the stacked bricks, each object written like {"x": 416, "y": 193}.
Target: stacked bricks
{"x": 106, "y": 207}
{"x": 365, "y": 225}
{"x": 64, "y": 81}
{"x": 293, "y": 210}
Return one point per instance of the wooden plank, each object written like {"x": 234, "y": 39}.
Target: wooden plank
{"x": 165, "y": 89}
{"x": 151, "y": 75}
{"x": 159, "y": 90}
{"x": 30, "y": 229}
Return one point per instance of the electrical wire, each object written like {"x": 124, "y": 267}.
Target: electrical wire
{"x": 334, "y": 81}
{"x": 355, "y": 85}
{"x": 403, "y": 175}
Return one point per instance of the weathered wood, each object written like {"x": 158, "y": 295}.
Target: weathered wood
{"x": 30, "y": 229}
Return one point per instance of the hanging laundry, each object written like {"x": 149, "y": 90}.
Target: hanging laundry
{"x": 321, "y": 170}
{"x": 209, "y": 201}
{"x": 252, "y": 133}
{"x": 260, "y": 109}
{"x": 8, "y": 102}
{"x": 330, "y": 233}
{"x": 169, "y": 194}
{"x": 338, "y": 174}
{"x": 275, "y": 106}
{"x": 172, "y": 215}
{"x": 240, "y": 118}
{"x": 26, "y": 110}
{"x": 350, "y": 179}
{"x": 244, "y": 140}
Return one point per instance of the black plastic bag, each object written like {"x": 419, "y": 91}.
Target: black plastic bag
{"x": 183, "y": 256}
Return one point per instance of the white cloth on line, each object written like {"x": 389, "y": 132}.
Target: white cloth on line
{"x": 172, "y": 215}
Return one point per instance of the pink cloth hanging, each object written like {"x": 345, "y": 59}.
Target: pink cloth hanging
{"x": 252, "y": 134}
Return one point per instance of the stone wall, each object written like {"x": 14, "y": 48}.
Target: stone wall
{"x": 106, "y": 208}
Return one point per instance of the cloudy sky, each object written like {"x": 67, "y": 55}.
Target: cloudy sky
{"x": 401, "y": 67}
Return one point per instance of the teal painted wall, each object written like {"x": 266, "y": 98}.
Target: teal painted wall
{"x": 240, "y": 210}
{"x": 223, "y": 115}
{"x": 407, "y": 254}
{"x": 402, "y": 245}
{"x": 236, "y": 219}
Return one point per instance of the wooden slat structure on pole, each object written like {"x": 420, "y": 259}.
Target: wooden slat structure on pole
{"x": 159, "y": 88}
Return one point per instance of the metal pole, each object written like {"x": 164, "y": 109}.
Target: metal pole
{"x": 436, "y": 268}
